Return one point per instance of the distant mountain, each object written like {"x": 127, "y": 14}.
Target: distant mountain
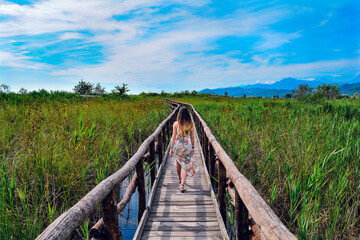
{"x": 356, "y": 79}
{"x": 282, "y": 87}
{"x": 250, "y": 92}
{"x": 350, "y": 89}
{"x": 288, "y": 83}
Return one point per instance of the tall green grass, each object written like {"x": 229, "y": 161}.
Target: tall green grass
{"x": 303, "y": 158}
{"x": 52, "y": 152}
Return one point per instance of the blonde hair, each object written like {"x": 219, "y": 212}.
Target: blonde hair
{"x": 185, "y": 124}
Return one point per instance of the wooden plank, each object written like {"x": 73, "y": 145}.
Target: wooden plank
{"x": 168, "y": 234}
{"x": 183, "y": 219}
{"x": 195, "y": 206}
{"x": 184, "y": 238}
{"x": 181, "y": 198}
{"x": 184, "y": 203}
{"x": 182, "y": 208}
{"x": 173, "y": 176}
{"x": 184, "y": 226}
{"x": 188, "y": 191}
{"x": 180, "y": 214}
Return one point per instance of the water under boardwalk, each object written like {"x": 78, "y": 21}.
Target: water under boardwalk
{"x": 189, "y": 215}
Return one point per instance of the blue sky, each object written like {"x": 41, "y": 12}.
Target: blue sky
{"x": 175, "y": 45}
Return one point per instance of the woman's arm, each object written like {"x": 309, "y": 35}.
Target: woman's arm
{"x": 173, "y": 137}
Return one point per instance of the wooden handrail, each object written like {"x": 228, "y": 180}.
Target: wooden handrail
{"x": 264, "y": 217}
{"x": 67, "y": 222}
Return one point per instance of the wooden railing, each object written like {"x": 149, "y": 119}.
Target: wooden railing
{"x": 253, "y": 217}
{"x": 104, "y": 193}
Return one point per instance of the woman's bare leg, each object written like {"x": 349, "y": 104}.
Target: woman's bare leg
{"x": 183, "y": 176}
{"x": 178, "y": 170}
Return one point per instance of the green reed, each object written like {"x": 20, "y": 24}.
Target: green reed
{"x": 56, "y": 148}
{"x": 302, "y": 157}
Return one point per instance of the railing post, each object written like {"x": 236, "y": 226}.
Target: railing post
{"x": 141, "y": 187}
{"x": 216, "y": 173}
{"x": 163, "y": 135}
{"x": 160, "y": 147}
{"x": 152, "y": 163}
{"x": 168, "y": 129}
{"x": 241, "y": 219}
{"x": 221, "y": 190}
{"x": 211, "y": 164}
{"x": 206, "y": 151}
{"x": 110, "y": 217}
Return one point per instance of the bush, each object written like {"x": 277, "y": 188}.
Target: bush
{"x": 120, "y": 90}
{"x": 83, "y": 87}
{"x": 329, "y": 91}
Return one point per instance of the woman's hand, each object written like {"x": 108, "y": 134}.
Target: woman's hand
{"x": 171, "y": 152}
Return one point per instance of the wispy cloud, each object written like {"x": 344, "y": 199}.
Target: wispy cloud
{"x": 275, "y": 40}
{"x": 325, "y": 21}
{"x": 19, "y": 61}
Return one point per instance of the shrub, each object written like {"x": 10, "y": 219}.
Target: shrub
{"x": 84, "y": 87}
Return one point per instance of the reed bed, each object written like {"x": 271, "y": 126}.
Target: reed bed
{"x": 52, "y": 152}
{"x": 302, "y": 157}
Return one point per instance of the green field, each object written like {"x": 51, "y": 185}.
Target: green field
{"x": 302, "y": 157}
{"x": 54, "y": 150}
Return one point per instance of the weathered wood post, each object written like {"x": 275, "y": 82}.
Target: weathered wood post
{"x": 163, "y": 135}
{"x": 211, "y": 164}
{"x": 216, "y": 173}
{"x": 168, "y": 130}
{"x": 160, "y": 149}
{"x": 151, "y": 162}
{"x": 141, "y": 187}
{"x": 110, "y": 217}
{"x": 206, "y": 151}
{"x": 221, "y": 190}
{"x": 241, "y": 219}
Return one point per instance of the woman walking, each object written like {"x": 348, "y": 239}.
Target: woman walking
{"x": 182, "y": 147}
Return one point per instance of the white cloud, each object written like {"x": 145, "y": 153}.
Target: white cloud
{"x": 274, "y": 40}
{"x": 19, "y": 61}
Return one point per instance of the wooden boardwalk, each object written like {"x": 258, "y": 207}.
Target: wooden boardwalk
{"x": 190, "y": 215}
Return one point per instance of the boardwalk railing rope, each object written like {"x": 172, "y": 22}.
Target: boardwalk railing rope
{"x": 104, "y": 193}
{"x": 264, "y": 223}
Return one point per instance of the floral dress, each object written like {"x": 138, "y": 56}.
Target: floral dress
{"x": 184, "y": 154}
